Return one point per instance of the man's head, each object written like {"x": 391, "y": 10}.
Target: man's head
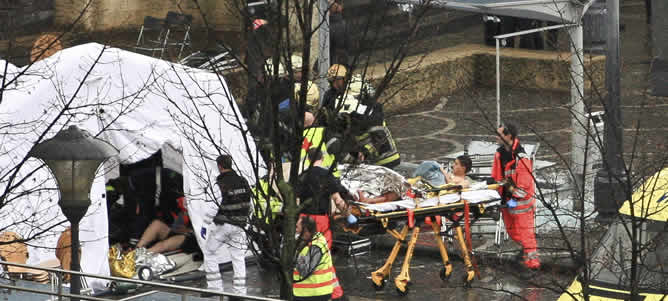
{"x": 314, "y": 155}
{"x": 305, "y": 227}
{"x": 337, "y": 76}
{"x": 335, "y": 6}
{"x": 224, "y": 162}
{"x": 506, "y": 134}
{"x": 462, "y": 165}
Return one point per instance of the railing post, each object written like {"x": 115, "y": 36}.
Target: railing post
{"x": 60, "y": 286}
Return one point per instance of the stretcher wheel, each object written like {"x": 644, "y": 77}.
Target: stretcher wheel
{"x": 446, "y": 272}
{"x": 469, "y": 277}
{"x": 404, "y": 292}
{"x": 378, "y": 287}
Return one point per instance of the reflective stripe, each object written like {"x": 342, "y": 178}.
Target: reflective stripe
{"x": 388, "y": 159}
{"x": 330, "y": 142}
{"x": 518, "y": 211}
{"x": 215, "y": 276}
{"x": 377, "y": 128}
{"x": 317, "y": 272}
{"x": 234, "y": 206}
{"x": 109, "y": 188}
{"x": 532, "y": 255}
{"x": 315, "y": 285}
{"x": 519, "y": 193}
{"x": 509, "y": 172}
{"x": 525, "y": 202}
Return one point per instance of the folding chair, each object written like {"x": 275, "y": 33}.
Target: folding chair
{"x": 156, "y": 28}
{"x": 178, "y": 22}
{"x": 217, "y": 59}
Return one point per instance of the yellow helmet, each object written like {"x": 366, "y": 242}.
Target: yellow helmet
{"x": 312, "y": 94}
{"x": 335, "y": 71}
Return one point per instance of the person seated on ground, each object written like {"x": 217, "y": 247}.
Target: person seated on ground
{"x": 164, "y": 220}
{"x": 458, "y": 175}
{"x": 178, "y": 234}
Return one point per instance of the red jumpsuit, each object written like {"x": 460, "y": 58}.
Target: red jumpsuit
{"x": 519, "y": 220}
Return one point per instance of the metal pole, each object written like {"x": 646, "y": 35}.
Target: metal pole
{"x": 613, "y": 133}
{"x": 323, "y": 46}
{"x": 609, "y": 188}
{"x": 578, "y": 119}
{"x": 498, "y": 85}
{"x": 75, "y": 280}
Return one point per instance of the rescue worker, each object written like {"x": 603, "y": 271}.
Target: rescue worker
{"x": 336, "y": 75}
{"x": 314, "y": 272}
{"x": 315, "y": 190}
{"x": 511, "y": 162}
{"x": 317, "y": 137}
{"x": 260, "y": 194}
{"x": 226, "y": 231}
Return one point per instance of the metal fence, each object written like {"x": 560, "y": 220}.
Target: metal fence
{"x": 57, "y": 286}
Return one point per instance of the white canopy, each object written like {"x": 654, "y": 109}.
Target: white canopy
{"x": 138, "y": 104}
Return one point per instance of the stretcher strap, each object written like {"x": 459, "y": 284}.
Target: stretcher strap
{"x": 467, "y": 229}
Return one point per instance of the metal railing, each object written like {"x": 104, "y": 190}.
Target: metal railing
{"x": 60, "y": 294}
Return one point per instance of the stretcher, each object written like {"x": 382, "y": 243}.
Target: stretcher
{"x": 461, "y": 206}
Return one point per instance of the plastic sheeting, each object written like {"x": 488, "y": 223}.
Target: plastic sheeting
{"x": 139, "y": 105}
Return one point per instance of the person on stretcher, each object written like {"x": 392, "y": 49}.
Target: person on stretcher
{"x": 432, "y": 173}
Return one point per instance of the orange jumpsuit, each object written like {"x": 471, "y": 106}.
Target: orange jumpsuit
{"x": 519, "y": 220}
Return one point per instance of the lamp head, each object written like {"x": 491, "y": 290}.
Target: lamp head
{"x": 73, "y": 156}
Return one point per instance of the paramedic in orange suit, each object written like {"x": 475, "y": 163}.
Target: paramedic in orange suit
{"x": 511, "y": 162}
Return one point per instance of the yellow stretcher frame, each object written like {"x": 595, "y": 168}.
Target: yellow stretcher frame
{"x": 402, "y": 281}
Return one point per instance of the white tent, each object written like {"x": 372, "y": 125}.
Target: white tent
{"x": 139, "y": 105}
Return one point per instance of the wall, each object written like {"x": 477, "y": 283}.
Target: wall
{"x": 104, "y": 15}
{"x": 447, "y": 70}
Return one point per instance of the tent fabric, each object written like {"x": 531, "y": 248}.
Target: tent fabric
{"x": 649, "y": 200}
{"x": 138, "y": 104}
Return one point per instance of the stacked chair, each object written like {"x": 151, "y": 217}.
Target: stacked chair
{"x": 157, "y": 35}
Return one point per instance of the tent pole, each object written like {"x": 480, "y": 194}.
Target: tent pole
{"x": 579, "y": 119}
{"x": 498, "y": 85}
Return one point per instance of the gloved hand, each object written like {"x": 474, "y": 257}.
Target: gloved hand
{"x": 202, "y": 233}
{"x": 512, "y": 203}
{"x": 351, "y": 219}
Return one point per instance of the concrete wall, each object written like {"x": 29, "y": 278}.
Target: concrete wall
{"x": 103, "y": 15}
{"x": 447, "y": 70}
{"x": 466, "y": 66}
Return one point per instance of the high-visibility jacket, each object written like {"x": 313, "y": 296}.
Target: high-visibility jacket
{"x": 314, "y": 137}
{"x": 320, "y": 281}
{"x": 379, "y": 146}
{"x": 519, "y": 169}
{"x": 260, "y": 191}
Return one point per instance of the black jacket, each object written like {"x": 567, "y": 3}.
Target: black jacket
{"x": 234, "y": 207}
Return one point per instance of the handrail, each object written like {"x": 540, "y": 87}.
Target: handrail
{"x": 151, "y": 283}
{"x": 33, "y": 290}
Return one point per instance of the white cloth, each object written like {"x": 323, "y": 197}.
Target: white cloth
{"x": 473, "y": 197}
{"x": 222, "y": 240}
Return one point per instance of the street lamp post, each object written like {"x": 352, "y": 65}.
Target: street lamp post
{"x": 73, "y": 156}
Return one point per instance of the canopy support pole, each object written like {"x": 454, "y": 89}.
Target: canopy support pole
{"x": 529, "y": 31}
